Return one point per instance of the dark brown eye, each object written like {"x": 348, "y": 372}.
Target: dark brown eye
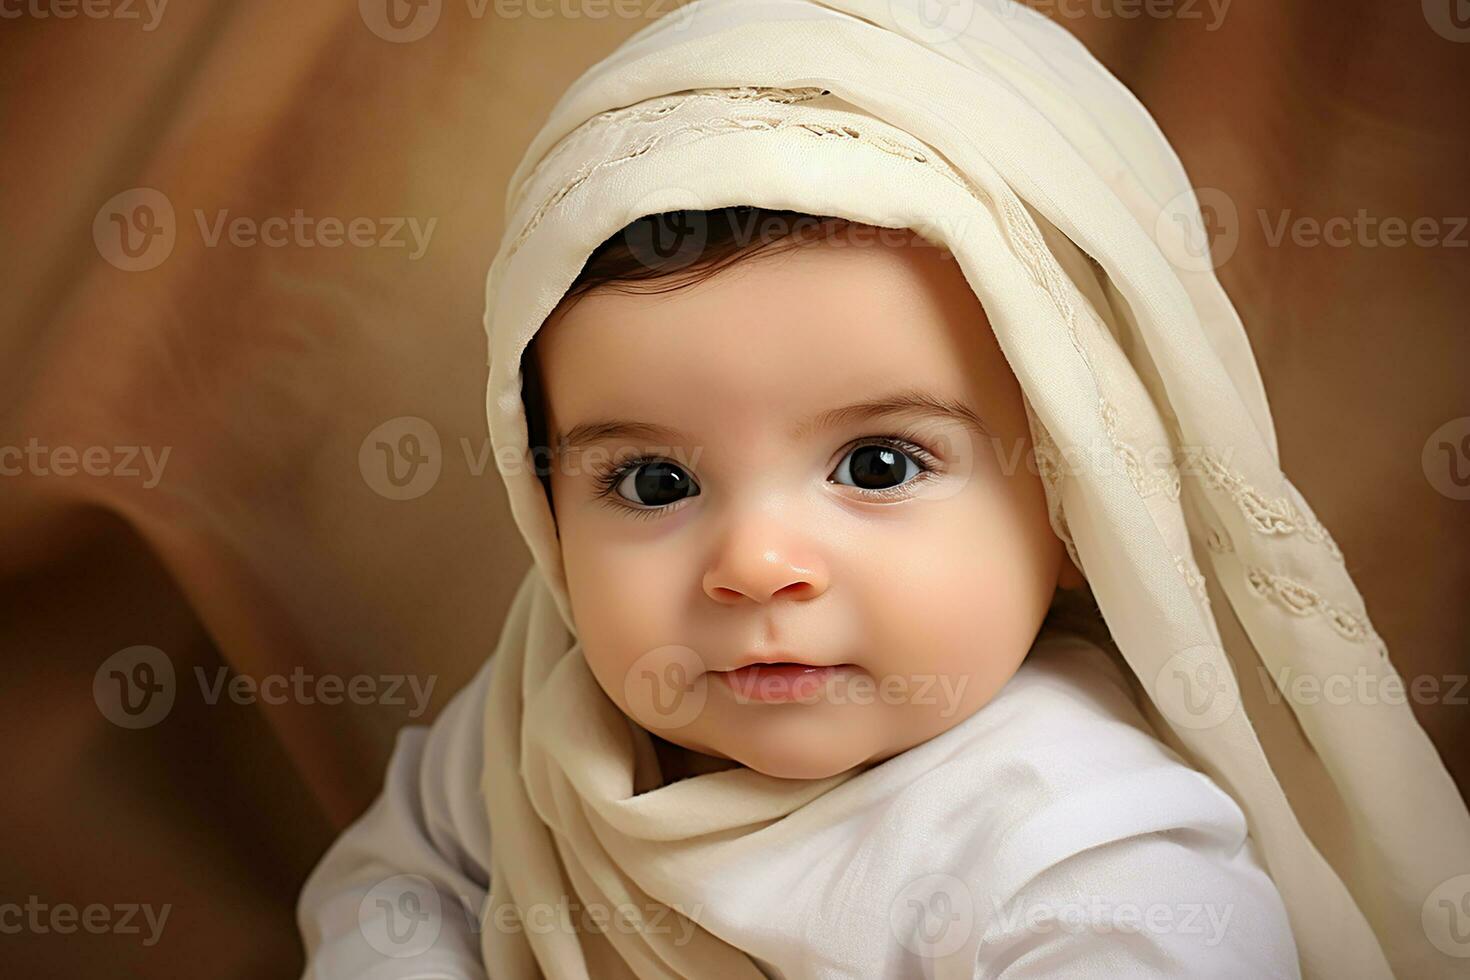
{"x": 656, "y": 484}
{"x": 876, "y": 467}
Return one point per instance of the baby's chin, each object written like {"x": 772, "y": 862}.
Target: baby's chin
{"x": 790, "y": 741}
{"x": 800, "y": 768}
{"x": 799, "y": 755}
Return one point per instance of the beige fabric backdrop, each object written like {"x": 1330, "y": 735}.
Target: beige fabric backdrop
{"x": 271, "y": 542}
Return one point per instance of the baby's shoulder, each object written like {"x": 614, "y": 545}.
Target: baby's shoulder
{"x": 1086, "y": 813}
{"x": 1072, "y": 710}
{"x": 1062, "y": 761}
{"x": 1066, "y": 678}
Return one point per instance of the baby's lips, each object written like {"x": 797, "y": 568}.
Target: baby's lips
{"x": 780, "y": 682}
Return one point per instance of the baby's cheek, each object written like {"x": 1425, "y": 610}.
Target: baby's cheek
{"x": 621, "y": 622}
{"x": 948, "y": 660}
{"x": 975, "y": 647}
{"x": 965, "y": 612}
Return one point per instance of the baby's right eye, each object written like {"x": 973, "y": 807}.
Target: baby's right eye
{"x": 652, "y": 483}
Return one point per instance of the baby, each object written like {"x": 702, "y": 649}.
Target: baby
{"x": 803, "y": 533}
{"x": 801, "y": 461}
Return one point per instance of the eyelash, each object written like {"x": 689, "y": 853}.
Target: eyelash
{"x": 606, "y": 480}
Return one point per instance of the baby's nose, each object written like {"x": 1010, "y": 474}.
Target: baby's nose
{"x": 762, "y": 566}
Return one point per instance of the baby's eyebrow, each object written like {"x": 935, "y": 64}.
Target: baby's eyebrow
{"x": 590, "y": 432}
{"x": 910, "y": 403}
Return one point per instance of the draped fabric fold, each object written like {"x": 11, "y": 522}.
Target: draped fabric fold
{"x": 995, "y": 134}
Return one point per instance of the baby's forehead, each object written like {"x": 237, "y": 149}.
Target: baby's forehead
{"x": 778, "y": 338}
{"x": 832, "y": 286}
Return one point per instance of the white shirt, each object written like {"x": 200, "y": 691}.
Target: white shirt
{"x": 1069, "y": 842}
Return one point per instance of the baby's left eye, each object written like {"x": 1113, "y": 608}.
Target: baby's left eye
{"x": 876, "y": 466}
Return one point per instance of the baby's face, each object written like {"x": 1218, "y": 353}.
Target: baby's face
{"x": 725, "y": 497}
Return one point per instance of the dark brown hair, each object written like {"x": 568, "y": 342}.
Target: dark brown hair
{"x": 659, "y": 253}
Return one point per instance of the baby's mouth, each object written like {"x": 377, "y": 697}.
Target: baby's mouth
{"x": 780, "y": 682}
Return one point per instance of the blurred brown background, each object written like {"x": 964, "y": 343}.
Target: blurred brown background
{"x": 269, "y": 541}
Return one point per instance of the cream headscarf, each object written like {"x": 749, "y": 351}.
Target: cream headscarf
{"x": 997, "y": 134}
